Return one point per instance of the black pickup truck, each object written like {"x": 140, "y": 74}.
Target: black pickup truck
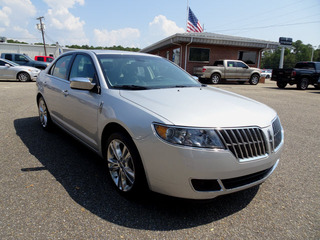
{"x": 303, "y": 74}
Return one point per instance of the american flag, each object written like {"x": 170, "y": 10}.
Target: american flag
{"x": 193, "y": 24}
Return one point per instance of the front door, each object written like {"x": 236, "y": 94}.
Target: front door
{"x": 243, "y": 70}
{"x": 82, "y": 106}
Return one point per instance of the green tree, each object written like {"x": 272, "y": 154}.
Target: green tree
{"x": 296, "y": 53}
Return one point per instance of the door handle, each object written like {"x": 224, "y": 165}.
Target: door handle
{"x": 65, "y": 92}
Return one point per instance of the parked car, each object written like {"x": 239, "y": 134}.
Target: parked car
{"x": 44, "y": 59}
{"x": 303, "y": 74}
{"x": 231, "y": 70}
{"x": 12, "y": 71}
{"x": 24, "y": 60}
{"x": 267, "y": 73}
{"x": 155, "y": 126}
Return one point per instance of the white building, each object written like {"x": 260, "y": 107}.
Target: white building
{"x": 32, "y": 50}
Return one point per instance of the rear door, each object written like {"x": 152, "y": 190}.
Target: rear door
{"x": 55, "y": 83}
{"x": 231, "y": 70}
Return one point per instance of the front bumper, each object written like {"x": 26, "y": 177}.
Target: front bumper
{"x": 176, "y": 171}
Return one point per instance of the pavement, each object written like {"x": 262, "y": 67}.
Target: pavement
{"x": 52, "y": 187}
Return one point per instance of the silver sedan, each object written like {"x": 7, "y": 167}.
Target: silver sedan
{"x": 13, "y": 71}
{"x": 156, "y": 127}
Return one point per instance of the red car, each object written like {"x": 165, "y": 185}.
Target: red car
{"x": 43, "y": 58}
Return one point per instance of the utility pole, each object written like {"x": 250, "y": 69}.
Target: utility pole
{"x": 41, "y": 28}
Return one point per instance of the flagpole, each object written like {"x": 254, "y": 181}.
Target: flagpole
{"x": 187, "y": 15}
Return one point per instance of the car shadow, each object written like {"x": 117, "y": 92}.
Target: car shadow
{"x": 83, "y": 175}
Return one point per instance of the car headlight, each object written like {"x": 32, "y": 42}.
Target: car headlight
{"x": 192, "y": 137}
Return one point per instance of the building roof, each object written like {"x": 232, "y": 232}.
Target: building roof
{"x": 211, "y": 38}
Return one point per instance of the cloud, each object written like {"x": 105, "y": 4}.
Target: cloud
{"x": 163, "y": 27}
{"x": 63, "y": 25}
{"x": 126, "y": 37}
{"x": 15, "y": 13}
{"x": 4, "y": 16}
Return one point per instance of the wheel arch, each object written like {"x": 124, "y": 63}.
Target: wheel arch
{"x": 22, "y": 72}
{"x": 114, "y": 127}
{"x": 39, "y": 95}
{"x": 109, "y": 129}
{"x": 218, "y": 73}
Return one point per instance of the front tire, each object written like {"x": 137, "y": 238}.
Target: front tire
{"x": 303, "y": 84}
{"x": 124, "y": 164}
{"x": 254, "y": 80}
{"x": 24, "y": 77}
{"x": 215, "y": 78}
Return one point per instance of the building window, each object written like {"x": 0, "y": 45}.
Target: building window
{"x": 176, "y": 56}
{"x": 248, "y": 57}
{"x": 199, "y": 54}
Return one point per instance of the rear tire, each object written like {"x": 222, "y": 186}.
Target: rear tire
{"x": 44, "y": 115}
{"x": 303, "y": 84}
{"x": 215, "y": 78}
{"x": 281, "y": 85}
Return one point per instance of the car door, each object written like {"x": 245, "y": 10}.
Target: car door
{"x": 22, "y": 60}
{"x": 243, "y": 70}
{"x": 81, "y": 106}
{"x": 6, "y": 72}
{"x": 55, "y": 83}
{"x": 231, "y": 70}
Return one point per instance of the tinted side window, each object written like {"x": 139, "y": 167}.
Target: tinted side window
{"x": 40, "y": 59}
{"x": 83, "y": 67}
{"x": 8, "y": 56}
{"x": 20, "y": 58}
{"x": 218, "y": 63}
{"x": 231, "y": 64}
{"x": 60, "y": 68}
{"x": 2, "y": 63}
{"x": 242, "y": 65}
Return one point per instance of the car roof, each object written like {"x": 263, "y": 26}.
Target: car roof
{"x": 113, "y": 52}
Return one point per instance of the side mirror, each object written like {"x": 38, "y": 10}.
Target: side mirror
{"x": 7, "y": 65}
{"x": 81, "y": 83}
{"x": 246, "y": 67}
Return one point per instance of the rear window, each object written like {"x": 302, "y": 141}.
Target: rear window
{"x": 305, "y": 65}
{"x": 218, "y": 63}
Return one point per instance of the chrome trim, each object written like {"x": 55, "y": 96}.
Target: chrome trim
{"x": 246, "y": 144}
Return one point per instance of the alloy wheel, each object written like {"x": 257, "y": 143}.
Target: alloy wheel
{"x": 120, "y": 165}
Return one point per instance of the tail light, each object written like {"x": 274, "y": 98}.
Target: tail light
{"x": 293, "y": 74}
{"x": 204, "y": 69}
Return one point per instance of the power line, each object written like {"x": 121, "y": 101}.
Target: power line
{"x": 269, "y": 26}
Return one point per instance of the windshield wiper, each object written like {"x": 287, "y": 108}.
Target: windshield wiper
{"x": 131, "y": 87}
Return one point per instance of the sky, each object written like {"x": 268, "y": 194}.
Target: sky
{"x": 140, "y": 23}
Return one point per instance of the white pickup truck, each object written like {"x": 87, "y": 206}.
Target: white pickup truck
{"x": 231, "y": 70}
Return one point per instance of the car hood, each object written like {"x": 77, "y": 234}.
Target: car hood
{"x": 26, "y": 68}
{"x": 202, "y": 107}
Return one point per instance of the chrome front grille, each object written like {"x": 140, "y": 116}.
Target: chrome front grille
{"x": 245, "y": 143}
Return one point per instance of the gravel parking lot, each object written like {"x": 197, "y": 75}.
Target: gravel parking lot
{"x": 52, "y": 187}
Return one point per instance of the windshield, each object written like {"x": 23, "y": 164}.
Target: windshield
{"x": 143, "y": 72}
